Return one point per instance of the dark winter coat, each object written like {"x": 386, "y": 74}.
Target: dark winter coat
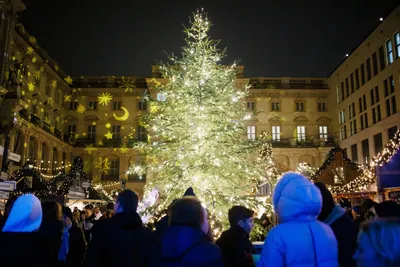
{"x": 120, "y": 241}
{"x": 346, "y": 232}
{"x": 51, "y": 238}
{"x": 88, "y": 224}
{"x": 186, "y": 246}
{"x": 236, "y": 248}
{"x": 22, "y": 249}
{"x": 77, "y": 247}
{"x": 161, "y": 226}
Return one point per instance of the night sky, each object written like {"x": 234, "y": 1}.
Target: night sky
{"x": 270, "y": 38}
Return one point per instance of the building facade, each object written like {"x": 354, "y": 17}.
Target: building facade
{"x": 366, "y": 90}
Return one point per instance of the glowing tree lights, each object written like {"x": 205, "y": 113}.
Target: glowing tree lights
{"x": 197, "y": 130}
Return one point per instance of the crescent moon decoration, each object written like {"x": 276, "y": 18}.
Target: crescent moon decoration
{"x": 124, "y": 117}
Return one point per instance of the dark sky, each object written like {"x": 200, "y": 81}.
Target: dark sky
{"x": 270, "y": 38}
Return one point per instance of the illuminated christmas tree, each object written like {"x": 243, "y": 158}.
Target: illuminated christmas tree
{"x": 197, "y": 130}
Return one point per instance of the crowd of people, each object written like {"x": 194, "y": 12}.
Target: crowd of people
{"x": 311, "y": 230}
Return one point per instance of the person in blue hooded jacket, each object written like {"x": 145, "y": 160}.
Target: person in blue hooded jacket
{"x": 299, "y": 239}
{"x": 185, "y": 242}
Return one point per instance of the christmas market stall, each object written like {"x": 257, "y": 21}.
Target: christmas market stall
{"x": 387, "y": 168}
{"x": 346, "y": 179}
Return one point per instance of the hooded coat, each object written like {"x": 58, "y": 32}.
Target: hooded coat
{"x": 342, "y": 225}
{"x": 300, "y": 240}
{"x": 21, "y": 243}
{"x": 120, "y": 241}
{"x": 186, "y": 246}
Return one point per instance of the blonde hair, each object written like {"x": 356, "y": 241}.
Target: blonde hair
{"x": 384, "y": 237}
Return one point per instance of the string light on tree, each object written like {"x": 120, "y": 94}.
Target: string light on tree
{"x": 198, "y": 131}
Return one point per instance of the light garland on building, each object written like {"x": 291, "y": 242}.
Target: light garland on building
{"x": 365, "y": 177}
{"x": 391, "y": 148}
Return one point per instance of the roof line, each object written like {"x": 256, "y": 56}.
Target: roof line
{"x": 362, "y": 41}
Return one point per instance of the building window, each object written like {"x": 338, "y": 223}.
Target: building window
{"x": 347, "y": 88}
{"x": 364, "y": 121}
{"x": 161, "y": 96}
{"x": 57, "y": 96}
{"x": 34, "y": 109}
{"x": 342, "y": 117}
{"x": 352, "y": 111}
{"x": 394, "y": 107}
{"x": 357, "y": 79}
{"x": 391, "y": 107}
{"x": 73, "y": 105}
{"x": 362, "y": 102}
{"x": 142, "y": 104}
{"x": 92, "y": 105}
{"x": 343, "y": 132}
{"x": 141, "y": 133}
{"x": 376, "y": 114}
{"x": 382, "y": 58}
{"x": 352, "y": 83}
{"x": 378, "y": 143}
{"x": 397, "y": 44}
{"x": 321, "y": 106}
{"x": 276, "y": 106}
{"x": 114, "y": 169}
{"x": 392, "y": 132}
{"x": 338, "y": 95}
{"x": 374, "y": 95}
{"x": 91, "y": 134}
{"x": 48, "y": 89}
{"x": 71, "y": 131}
{"x": 251, "y": 132}
{"x": 389, "y": 52}
{"x": 301, "y": 133}
{"x": 365, "y": 151}
{"x": 116, "y": 105}
{"x": 300, "y": 106}
{"x": 375, "y": 63}
{"x": 116, "y": 132}
{"x": 354, "y": 153}
{"x": 251, "y": 105}
{"x": 369, "y": 69}
{"x": 391, "y": 84}
{"x": 353, "y": 127}
{"x": 276, "y": 133}
{"x": 323, "y": 133}
{"x": 362, "y": 68}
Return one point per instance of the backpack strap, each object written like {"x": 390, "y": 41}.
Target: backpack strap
{"x": 313, "y": 242}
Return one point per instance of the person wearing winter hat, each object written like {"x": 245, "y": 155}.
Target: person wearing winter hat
{"x": 162, "y": 224}
{"x": 342, "y": 225}
{"x": 356, "y": 213}
{"x": 299, "y": 239}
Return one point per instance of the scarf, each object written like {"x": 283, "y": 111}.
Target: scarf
{"x": 63, "y": 252}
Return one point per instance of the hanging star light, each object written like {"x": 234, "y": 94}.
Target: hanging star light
{"x": 50, "y": 101}
{"x": 29, "y": 50}
{"x": 108, "y": 135}
{"x": 31, "y": 86}
{"x": 67, "y": 98}
{"x": 104, "y": 98}
{"x": 81, "y": 109}
{"x": 37, "y": 74}
{"x": 128, "y": 84}
{"x": 69, "y": 80}
{"x": 103, "y": 165}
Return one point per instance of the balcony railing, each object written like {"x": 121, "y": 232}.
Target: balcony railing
{"x": 258, "y": 85}
{"x": 35, "y": 120}
{"x": 292, "y": 143}
{"x": 46, "y": 127}
{"x": 135, "y": 178}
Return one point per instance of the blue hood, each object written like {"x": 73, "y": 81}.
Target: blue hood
{"x": 25, "y": 215}
{"x": 296, "y": 198}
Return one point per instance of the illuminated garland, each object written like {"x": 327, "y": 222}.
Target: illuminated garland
{"x": 388, "y": 152}
{"x": 365, "y": 177}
